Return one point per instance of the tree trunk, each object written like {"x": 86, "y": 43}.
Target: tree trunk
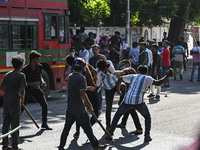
{"x": 176, "y": 30}
{"x": 115, "y": 18}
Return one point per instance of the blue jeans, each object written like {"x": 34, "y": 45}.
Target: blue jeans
{"x": 165, "y": 69}
{"x": 123, "y": 108}
{"x": 193, "y": 71}
{"x": 83, "y": 121}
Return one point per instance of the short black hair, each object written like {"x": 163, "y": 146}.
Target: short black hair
{"x": 178, "y": 42}
{"x": 117, "y": 32}
{"x": 69, "y": 60}
{"x": 167, "y": 42}
{"x": 124, "y": 62}
{"x": 143, "y": 69}
{"x": 82, "y": 28}
{"x": 17, "y": 61}
{"x": 102, "y": 64}
{"x": 160, "y": 44}
{"x": 134, "y": 44}
{"x": 155, "y": 46}
{"x": 72, "y": 48}
{"x": 33, "y": 54}
{"x": 144, "y": 44}
{"x": 83, "y": 44}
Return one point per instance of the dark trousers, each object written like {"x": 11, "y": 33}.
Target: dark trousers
{"x": 165, "y": 69}
{"x": 83, "y": 121}
{"x": 133, "y": 113}
{"x": 11, "y": 117}
{"x": 109, "y": 100}
{"x": 39, "y": 96}
{"x": 141, "y": 108}
{"x": 93, "y": 97}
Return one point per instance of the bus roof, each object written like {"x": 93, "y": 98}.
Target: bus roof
{"x": 35, "y": 4}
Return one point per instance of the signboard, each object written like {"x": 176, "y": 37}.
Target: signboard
{"x": 5, "y": 0}
{"x": 9, "y": 56}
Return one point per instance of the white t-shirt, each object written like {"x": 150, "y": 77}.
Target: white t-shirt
{"x": 150, "y": 57}
{"x": 84, "y": 54}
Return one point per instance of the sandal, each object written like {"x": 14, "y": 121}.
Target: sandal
{"x": 136, "y": 132}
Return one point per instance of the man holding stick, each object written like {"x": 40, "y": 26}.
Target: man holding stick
{"x": 33, "y": 72}
{"x": 13, "y": 85}
{"x": 77, "y": 99}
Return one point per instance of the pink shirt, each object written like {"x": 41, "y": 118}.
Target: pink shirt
{"x": 166, "y": 57}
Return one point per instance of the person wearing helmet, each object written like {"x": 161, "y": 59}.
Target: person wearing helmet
{"x": 90, "y": 75}
{"x": 77, "y": 99}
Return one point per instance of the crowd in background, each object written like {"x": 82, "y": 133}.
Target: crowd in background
{"x": 159, "y": 56}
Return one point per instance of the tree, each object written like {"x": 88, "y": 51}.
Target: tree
{"x": 143, "y": 13}
{"x": 88, "y": 12}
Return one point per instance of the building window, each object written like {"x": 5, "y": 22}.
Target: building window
{"x": 18, "y": 37}
{"x": 50, "y": 27}
{"x": 4, "y": 36}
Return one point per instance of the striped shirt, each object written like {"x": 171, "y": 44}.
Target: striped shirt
{"x": 128, "y": 71}
{"x": 138, "y": 86}
{"x": 108, "y": 79}
{"x": 178, "y": 51}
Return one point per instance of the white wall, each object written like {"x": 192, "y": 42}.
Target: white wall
{"x": 135, "y": 32}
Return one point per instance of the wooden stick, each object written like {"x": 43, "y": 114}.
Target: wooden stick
{"x": 95, "y": 117}
{"x": 30, "y": 116}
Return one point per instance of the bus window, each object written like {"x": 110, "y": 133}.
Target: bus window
{"x": 4, "y": 36}
{"x": 32, "y": 37}
{"x": 50, "y": 27}
{"x": 63, "y": 30}
{"x": 18, "y": 36}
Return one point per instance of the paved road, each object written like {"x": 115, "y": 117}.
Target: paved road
{"x": 175, "y": 122}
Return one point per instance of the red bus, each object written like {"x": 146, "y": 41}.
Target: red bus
{"x": 41, "y": 25}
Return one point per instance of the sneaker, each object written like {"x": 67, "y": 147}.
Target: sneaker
{"x": 190, "y": 80}
{"x": 198, "y": 80}
{"x": 136, "y": 132}
{"x": 151, "y": 95}
{"x": 147, "y": 138}
{"x": 6, "y": 148}
{"x": 181, "y": 77}
{"x": 45, "y": 126}
{"x": 76, "y": 134}
{"x": 100, "y": 147}
{"x": 157, "y": 96}
{"x": 121, "y": 126}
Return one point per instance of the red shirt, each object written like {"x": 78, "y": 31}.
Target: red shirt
{"x": 166, "y": 57}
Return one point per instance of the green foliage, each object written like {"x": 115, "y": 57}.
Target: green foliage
{"x": 143, "y": 12}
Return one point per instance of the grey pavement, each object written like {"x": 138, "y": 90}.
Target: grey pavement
{"x": 175, "y": 122}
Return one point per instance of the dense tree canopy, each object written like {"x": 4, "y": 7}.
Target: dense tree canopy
{"x": 143, "y": 12}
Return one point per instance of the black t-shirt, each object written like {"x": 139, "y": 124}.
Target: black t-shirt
{"x": 116, "y": 40}
{"x": 114, "y": 57}
{"x": 12, "y": 82}
{"x": 32, "y": 75}
{"x": 93, "y": 60}
{"x": 76, "y": 83}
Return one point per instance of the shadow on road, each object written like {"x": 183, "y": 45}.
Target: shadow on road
{"x": 27, "y": 138}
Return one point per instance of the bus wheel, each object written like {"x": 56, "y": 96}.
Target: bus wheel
{"x": 45, "y": 77}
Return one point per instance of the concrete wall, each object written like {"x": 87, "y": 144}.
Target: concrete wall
{"x": 135, "y": 32}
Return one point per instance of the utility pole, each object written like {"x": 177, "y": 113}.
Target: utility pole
{"x": 128, "y": 22}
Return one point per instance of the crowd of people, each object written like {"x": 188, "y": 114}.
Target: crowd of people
{"x": 93, "y": 65}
